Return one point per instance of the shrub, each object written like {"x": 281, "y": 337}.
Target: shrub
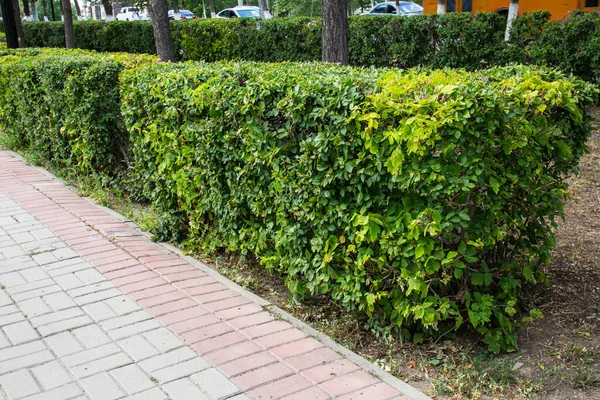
{"x": 457, "y": 40}
{"x": 115, "y": 36}
{"x": 425, "y": 199}
{"x": 572, "y": 45}
{"x": 64, "y": 106}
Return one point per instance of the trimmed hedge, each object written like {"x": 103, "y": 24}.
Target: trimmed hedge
{"x": 424, "y": 199}
{"x": 64, "y": 106}
{"x": 456, "y": 40}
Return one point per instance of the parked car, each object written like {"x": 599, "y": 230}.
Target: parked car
{"x": 131, "y": 14}
{"x": 242, "y": 12}
{"x": 182, "y": 14}
{"x": 407, "y": 8}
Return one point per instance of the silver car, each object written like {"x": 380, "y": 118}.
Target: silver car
{"x": 407, "y": 8}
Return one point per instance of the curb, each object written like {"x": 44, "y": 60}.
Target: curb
{"x": 273, "y": 309}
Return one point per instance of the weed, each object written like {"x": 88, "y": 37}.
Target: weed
{"x": 586, "y": 377}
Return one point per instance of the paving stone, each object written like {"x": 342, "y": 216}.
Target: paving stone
{"x": 167, "y": 359}
{"x": 381, "y": 391}
{"x": 152, "y": 394}
{"x": 262, "y": 375}
{"x": 100, "y": 365}
{"x": 65, "y": 325}
{"x": 44, "y": 258}
{"x": 122, "y": 305}
{"x": 123, "y": 321}
{"x": 21, "y": 332}
{"x": 281, "y": 387}
{"x": 132, "y": 379}
{"x": 138, "y": 347}
{"x": 348, "y": 383}
{"x": 101, "y": 387}
{"x": 91, "y": 336}
{"x": 90, "y": 355}
{"x": 59, "y": 301}
{"x": 133, "y": 329}
{"x": 4, "y": 341}
{"x": 163, "y": 339}
{"x": 90, "y": 276}
{"x": 184, "y": 389}
{"x": 65, "y": 392}
{"x": 214, "y": 383}
{"x": 64, "y": 344}
{"x": 99, "y": 311}
{"x": 51, "y": 375}
{"x": 19, "y": 384}
{"x": 25, "y": 362}
{"x": 22, "y": 350}
{"x": 11, "y": 279}
{"x": 68, "y": 281}
{"x": 34, "y": 307}
{"x": 34, "y": 274}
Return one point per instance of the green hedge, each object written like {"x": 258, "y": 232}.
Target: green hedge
{"x": 116, "y": 36}
{"x": 456, "y": 40}
{"x": 64, "y": 106}
{"x": 425, "y": 199}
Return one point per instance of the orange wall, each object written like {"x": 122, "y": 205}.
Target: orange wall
{"x": 558, "y": 8}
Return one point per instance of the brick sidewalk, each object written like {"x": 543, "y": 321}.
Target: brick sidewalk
{"x": 91, "y": 308}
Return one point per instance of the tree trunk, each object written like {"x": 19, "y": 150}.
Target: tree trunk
{"x": 77, "y": 9}
{"x": 513, "y": 10}
{"x": 162, "y": 30}
{"x": 26, "y": 8}
{"x": 44, "y": 13}
{"x": 397, "y": 7}
{"x": 34, "y": 11}
{"x": 175, "y": 6}
{"x": 108, "y": 8}
{"x": 67, "y": 12}
{"x": 10, "y": 26}
{"x": 441, "y": 8}
{"x": 335, "y": 32}
{"x": 263, "y": 7}
{"x": 213, "y": 9}
{"x": 17, "y": 14}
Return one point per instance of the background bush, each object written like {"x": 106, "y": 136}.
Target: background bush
{"x": 425, "y": 199}
{"x": 456, "y": 40}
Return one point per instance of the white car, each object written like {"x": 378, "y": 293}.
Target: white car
{"x": 131, "y": 14}
{"x": 243, "y": 12}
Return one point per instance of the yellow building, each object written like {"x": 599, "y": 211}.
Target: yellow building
{"x": 558, "y": 8}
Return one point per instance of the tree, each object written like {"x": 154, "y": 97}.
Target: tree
{"x": 175, "y": 6}
{"x": 17, "y": 14}
{"x": 77, "y": 9}
{"x": 67, "y": 12}
{"x": 335, "y": 32}
{"x": 10, "y": 26}
{"x": 213, "y": 10}
{"x": 162, "y": 30}
{"x": 441, "y": 8}
{"x": 262, "y": 7}
{"x": 108, "y": 8}
{"x": 26, "y": 8}
{"x": 513, "y": 10}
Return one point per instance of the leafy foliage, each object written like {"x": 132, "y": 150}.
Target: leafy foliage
{"x": 425, "y": 199}
{"x": 457, "y": 40}
{"x": 64, "y": 106}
